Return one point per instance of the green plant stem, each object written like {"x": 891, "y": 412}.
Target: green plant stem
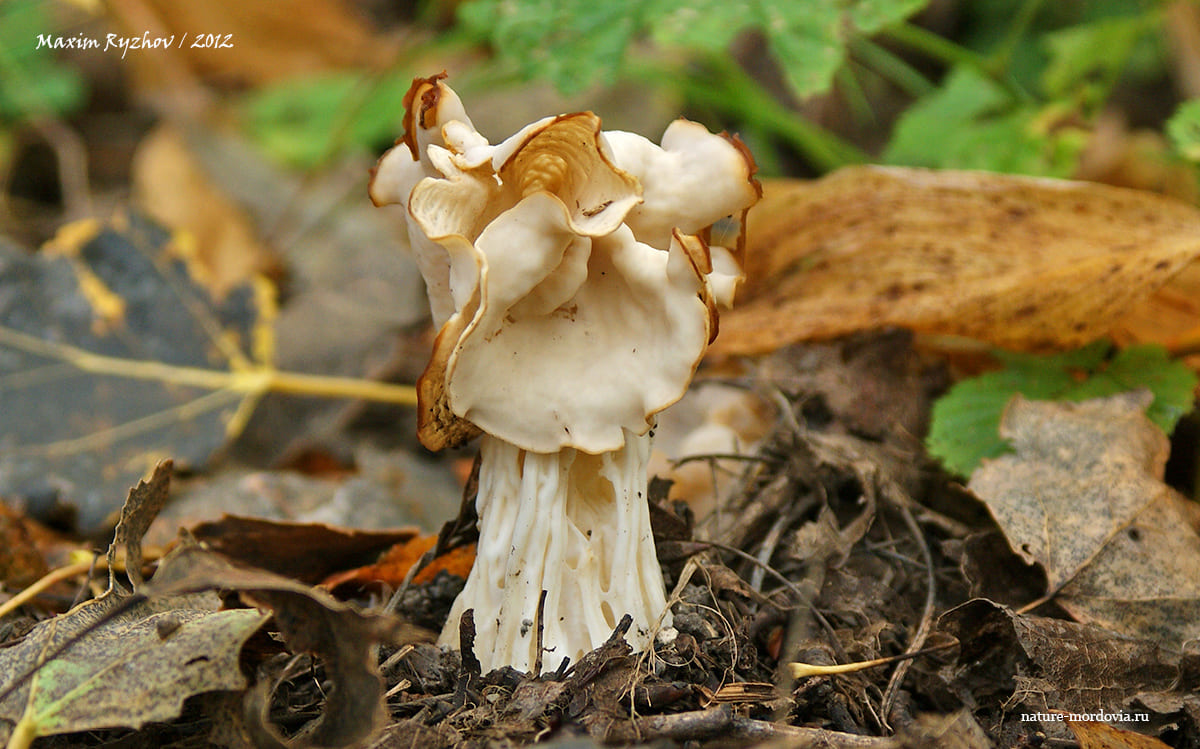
{"x": 890, "y": 66}
{"x": 730, "y": 89}
{"x": 946, "y": 51}
{"x": 1001, "y": 57}
{"x": 846, "y": 81}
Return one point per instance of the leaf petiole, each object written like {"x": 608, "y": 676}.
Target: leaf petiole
{"x": 256, "y": 379}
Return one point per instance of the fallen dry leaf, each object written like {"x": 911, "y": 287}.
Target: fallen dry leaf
{"x": 1083, "y": 497}
{"x": 308, "y": 552}
{"x": 144, "y": 503}
{"x": 123, "y": 660}
{"x": 247, "y": 41}
{"x": 1170, "y": 317}
{"x": 310, "y": 620}
{"x": 393, "y": 566}
{"x": 137, "y": 665}
{"x": 1095, "y": 735}
{"x": 1018, "y": 262}
{"x": 1050, "y": 664}
{"x": 99, "y": 303}
{"x": 22, "y": 540}
{"x": 173, "y": 188}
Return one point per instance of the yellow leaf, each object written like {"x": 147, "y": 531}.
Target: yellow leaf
{"x": 1023, "y": 263}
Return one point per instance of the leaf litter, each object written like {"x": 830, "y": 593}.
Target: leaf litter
{"x": 125, "y": 291}
{"x": 122, "y": 659}
{"x": 840, "y": 541}
{"x": 832, "y": 569}
{"x": 124, "y": 324}
{"x": 1083, "y": 497}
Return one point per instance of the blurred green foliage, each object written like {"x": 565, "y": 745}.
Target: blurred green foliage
{"x": 575, "y": 43}
{"x": 1015, "y": 88}
{"x": 32, "y": 82}
{"x": 1184, "y": 130}
{"x": 972, "y": 123}
{"x": 304, "y": 121}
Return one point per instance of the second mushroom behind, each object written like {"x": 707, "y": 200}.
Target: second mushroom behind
{"x": 568, "y": 271}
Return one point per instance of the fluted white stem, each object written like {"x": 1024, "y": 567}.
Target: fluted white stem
{"x": 575, "y": 525}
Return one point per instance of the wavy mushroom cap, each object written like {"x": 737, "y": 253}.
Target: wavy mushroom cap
{"x": 567, "y": 270}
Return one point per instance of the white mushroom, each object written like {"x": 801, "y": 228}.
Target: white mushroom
{"x": 575, "y": 296}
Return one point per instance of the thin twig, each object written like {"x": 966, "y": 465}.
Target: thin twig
{"x": 252, "y": 379}
{"x": 795, "y": 589}
{"x": 918, "y": 641}
{"x": 50, "y": 578}
{"x": 761, "y": 730}
{"x": 800, "y": 670}
{"x": 721, "y": 456}
{"x": 393, "y": 604}
{"x": 767, "y": 550}
{"x": 541, "y": 625}
{"x": 396, "y": 657}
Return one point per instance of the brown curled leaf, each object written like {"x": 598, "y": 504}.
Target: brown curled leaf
{"x": 1018, "y": 262}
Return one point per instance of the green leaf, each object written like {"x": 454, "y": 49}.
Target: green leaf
{"x": 574, "y": 43}
{"x": 707, "y": 25}
{"x": 972, "y": 123}
{"x": 1092, "y": 55}
{"x": 871, "y": 16}
{"x": 808, "y": 44}
{"x": 1184, "y": 129}
{"x": 297, "y": 122}
{"x": 966, "y": 420}
{"x": 32, "y": 81}
{"x": 1172, "y": 383}
{"x": 810, "y": 39}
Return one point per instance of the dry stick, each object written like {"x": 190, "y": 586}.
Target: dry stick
{"x": 721, "y": 456}
{"x": 393, "y": 604}
{"x": 93, "y": 564}
{"x": 918, "y": 641}
{"x": 50, "y": 578}
{"x": 761, "y": 730}
{"x": 724, "y": 723}
{"x": 396, "y": 657}
{"x": 541, "y": 613}
{"x": 693, "y": 725}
